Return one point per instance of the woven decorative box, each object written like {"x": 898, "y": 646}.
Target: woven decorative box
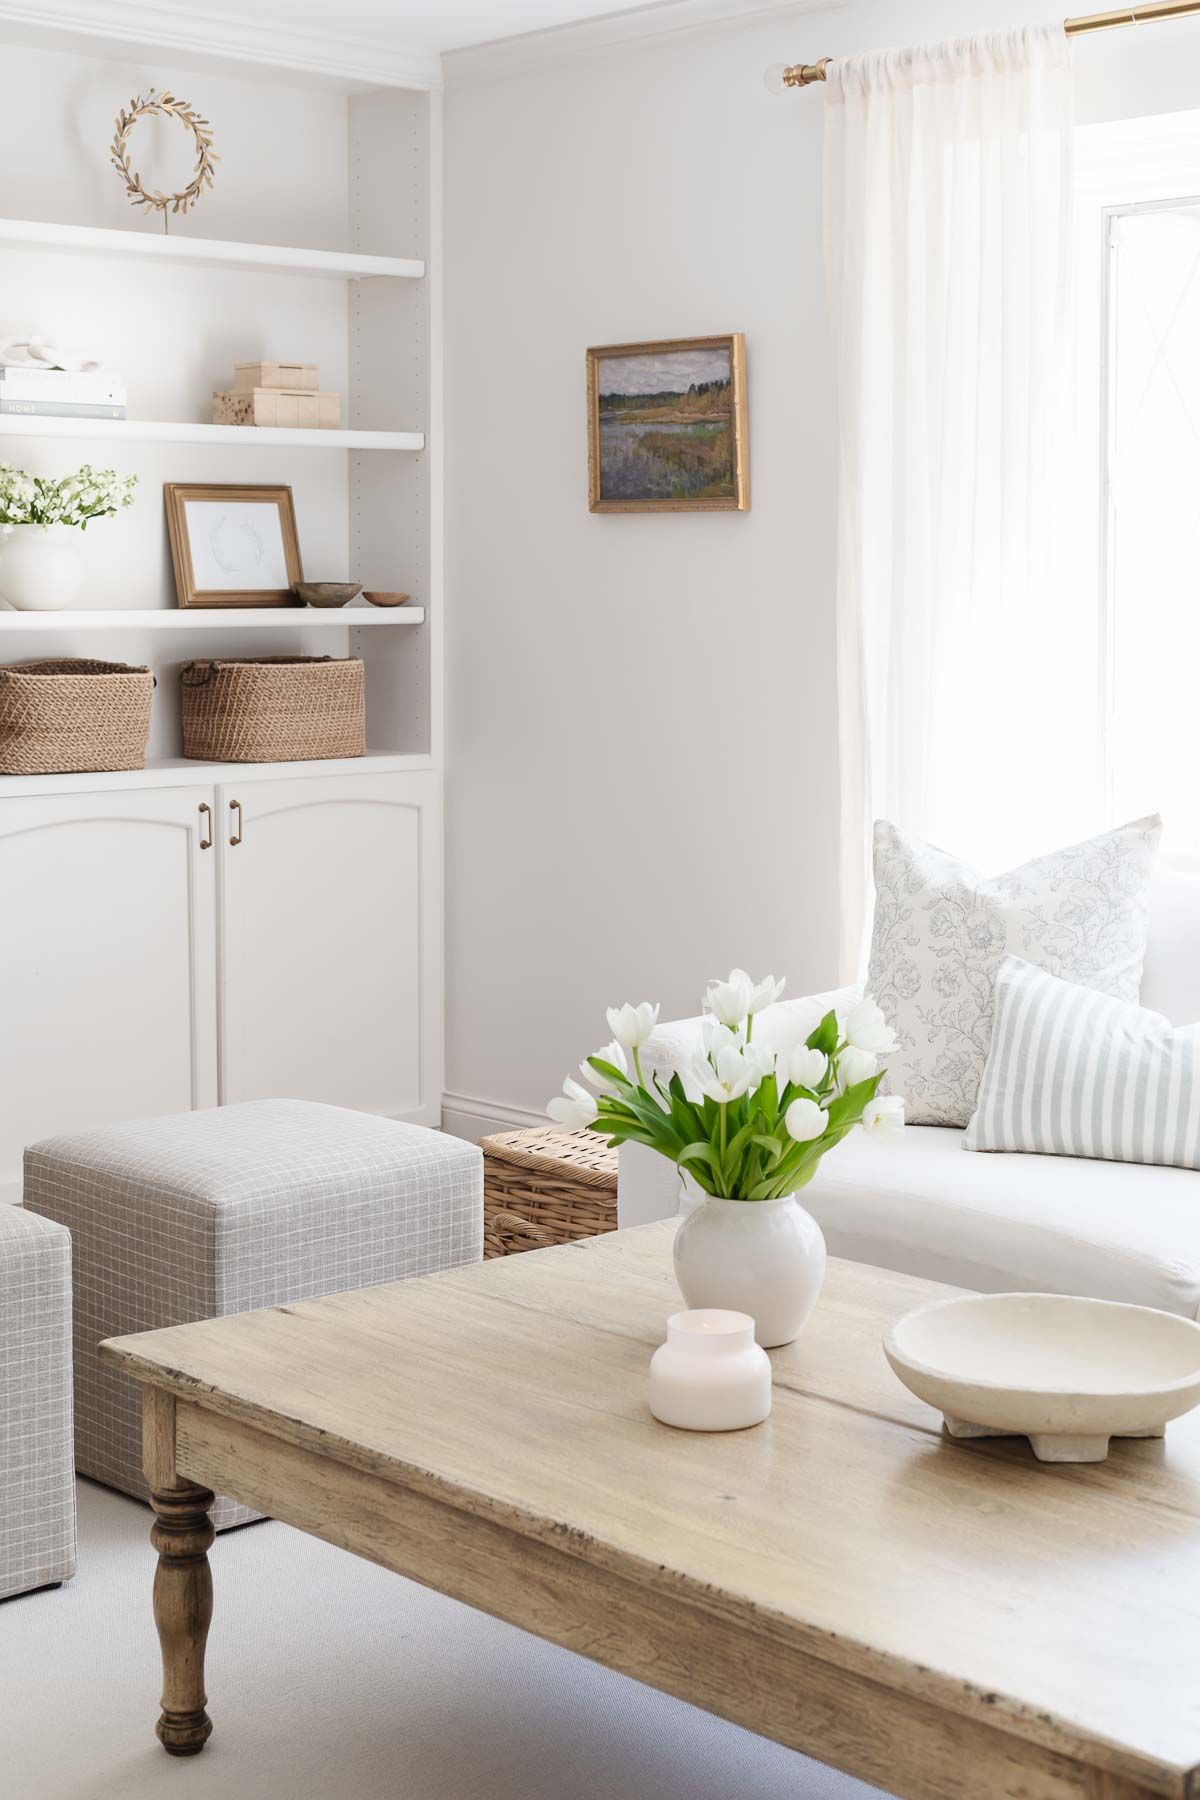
{"x": 290, "y": 408}
{"x": 273, "y": 709}
{"x": 70, "y": 714}
{"x": 544, "y": 1187}
{"x": 249, "y": 375}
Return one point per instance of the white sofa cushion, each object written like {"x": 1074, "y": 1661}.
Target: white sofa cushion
{"x": 941, "y": 929}
{"x": 1041, "y": 1224}
{"x": 1075, "y": 1073}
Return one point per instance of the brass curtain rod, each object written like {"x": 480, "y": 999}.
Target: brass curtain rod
{"x": 804, "y": 74}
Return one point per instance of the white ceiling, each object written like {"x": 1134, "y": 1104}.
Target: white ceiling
{"x": 426, "y": 25}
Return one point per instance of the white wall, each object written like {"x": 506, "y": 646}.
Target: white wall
{"x": 642, "y": 759}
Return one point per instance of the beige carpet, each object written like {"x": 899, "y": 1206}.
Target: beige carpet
{"x": 330, "y": 1679}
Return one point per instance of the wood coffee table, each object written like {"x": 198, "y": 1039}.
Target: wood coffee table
{"x": 951, "y": 1621}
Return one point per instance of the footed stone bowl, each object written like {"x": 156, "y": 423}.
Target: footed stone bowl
{"x": 1066, "y": 1373}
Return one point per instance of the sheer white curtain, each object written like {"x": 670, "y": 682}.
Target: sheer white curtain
{"x": 964, "y": 659}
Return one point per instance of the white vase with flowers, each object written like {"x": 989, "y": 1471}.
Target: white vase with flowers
{"x": 42, "y": 519}
{"x": 747, "y": 1124}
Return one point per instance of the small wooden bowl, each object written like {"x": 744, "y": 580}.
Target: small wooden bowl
{"x": 384, "y": 597}
{"x": 327, "y": 593}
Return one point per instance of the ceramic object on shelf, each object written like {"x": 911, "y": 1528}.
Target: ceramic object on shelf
{"x": 41, "y": 567}
{"x": 710, "y": 1375}
{"x": 762, "y": 1257}
{"x": 384, "y": 597}
{"x": 327, "y": 593}
{"x": 1066, "y": 1373}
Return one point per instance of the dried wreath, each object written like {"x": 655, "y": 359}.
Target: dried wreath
{"x": 169, "y": 107}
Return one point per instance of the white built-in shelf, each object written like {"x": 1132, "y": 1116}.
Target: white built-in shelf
{"x": 213, "y": 253}
{"x": 160, "y": 431}
{"x": 213, "y": 618}
{"x": 178, "y": 771}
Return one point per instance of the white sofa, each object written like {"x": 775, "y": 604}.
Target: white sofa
{"x": 1051, "y": 1224}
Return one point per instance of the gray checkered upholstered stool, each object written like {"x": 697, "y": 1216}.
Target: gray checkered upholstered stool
{"x": 37, "y": 1467}
{"x": 222, "y": 1211}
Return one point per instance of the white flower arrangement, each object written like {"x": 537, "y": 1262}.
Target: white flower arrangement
{"x": 71, "y": 500}
{"x": 747, "y": 1123}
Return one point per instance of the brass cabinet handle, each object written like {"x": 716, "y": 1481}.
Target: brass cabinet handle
{"x": 206, "y": 815}
{"x": 235, "y": 806}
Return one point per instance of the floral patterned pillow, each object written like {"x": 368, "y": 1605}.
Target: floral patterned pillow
{"x": 941, "y": 930}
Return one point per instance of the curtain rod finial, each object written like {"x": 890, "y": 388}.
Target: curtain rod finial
{"x": 780, "y": 76}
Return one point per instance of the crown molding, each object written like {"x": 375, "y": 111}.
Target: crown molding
{"x": 136, "y": 28}
{"x": 615, "y": 31}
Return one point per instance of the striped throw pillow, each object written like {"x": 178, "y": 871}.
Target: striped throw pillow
{"x": 1072, "y": 1072}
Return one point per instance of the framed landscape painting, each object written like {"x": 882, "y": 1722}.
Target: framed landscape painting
{"x": 667, "y": 426}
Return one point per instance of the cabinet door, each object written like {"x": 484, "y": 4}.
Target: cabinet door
{"x": 108, "y": 988}
{"x": 330, "y": 942}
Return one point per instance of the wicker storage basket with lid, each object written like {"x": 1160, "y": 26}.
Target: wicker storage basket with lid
{"x": 544, "y": 1187}
{"x": 67, "y": 715}
{"x": 273, "y": 709}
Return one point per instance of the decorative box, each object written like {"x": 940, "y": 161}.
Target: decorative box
{"x": 249, "y": 375}
{"x": 287, "y": 407}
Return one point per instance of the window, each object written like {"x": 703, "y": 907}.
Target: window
{"x": 1150, "y": 649}
{"x": 1140, "y": 430}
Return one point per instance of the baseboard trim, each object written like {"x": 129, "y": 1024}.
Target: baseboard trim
{"x": 468, "y": 1116}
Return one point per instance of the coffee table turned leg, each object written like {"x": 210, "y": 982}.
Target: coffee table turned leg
{"x": 182, "y": 1534}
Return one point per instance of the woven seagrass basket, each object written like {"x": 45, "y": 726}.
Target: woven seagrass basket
{"x": 273, "y": 709}
{"x": 544, "y": 1187}
{"x": 64, "y": 715}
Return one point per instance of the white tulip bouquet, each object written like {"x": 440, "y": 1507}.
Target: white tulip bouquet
{"x": 746, "y": 1122}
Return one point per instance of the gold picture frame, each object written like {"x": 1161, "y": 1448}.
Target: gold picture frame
{"x": 221, "y": 533}
{"x": 671, "y": 436}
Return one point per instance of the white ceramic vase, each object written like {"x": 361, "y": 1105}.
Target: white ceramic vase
{"x": 41, "y": 567}
{"x": 762, "y": 1257}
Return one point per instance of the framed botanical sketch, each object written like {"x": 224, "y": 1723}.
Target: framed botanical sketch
{"x": 233, "y": 546}
{"x": 667, "y": 426}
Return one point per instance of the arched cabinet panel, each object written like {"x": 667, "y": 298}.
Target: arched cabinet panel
{"x": 107, "y": 962}
{"x": 329, "y": 941}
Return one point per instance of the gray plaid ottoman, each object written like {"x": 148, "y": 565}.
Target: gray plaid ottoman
{"x": 207, "y": 1213}
{"x": 37, "y": 1468}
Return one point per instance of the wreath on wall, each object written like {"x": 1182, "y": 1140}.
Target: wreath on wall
{"x": 168, "y": 107}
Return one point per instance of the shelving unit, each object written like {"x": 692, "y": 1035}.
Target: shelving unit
{"x": 214, "y": 253}
{"x": 214, "y": 618}
{"x": 245, "y": 928}
{"x": 174, "y": 311}
{"x": 170, "y": 431}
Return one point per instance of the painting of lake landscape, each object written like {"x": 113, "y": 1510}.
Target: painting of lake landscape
{"x": 667, "y": 426}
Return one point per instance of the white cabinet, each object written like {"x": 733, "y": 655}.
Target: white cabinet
{"x": 330, "y": 914}
{"x": 107, "y": 962}
{"x": 146, "y": 970}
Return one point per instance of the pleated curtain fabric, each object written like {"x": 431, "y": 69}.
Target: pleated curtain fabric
{"x": 948, "y": 223}
{"x": 1075, "y": 1073}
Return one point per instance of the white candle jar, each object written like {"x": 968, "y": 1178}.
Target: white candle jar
{"x": 710, "y": 1375}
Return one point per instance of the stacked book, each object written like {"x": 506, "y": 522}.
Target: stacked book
{"x": 60, "y": 393}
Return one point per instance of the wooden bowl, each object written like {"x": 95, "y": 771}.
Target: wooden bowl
{"x": 1066, "y": 1373}
{"x": 327, "y": 593}
{"x": 385, "y": 597}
